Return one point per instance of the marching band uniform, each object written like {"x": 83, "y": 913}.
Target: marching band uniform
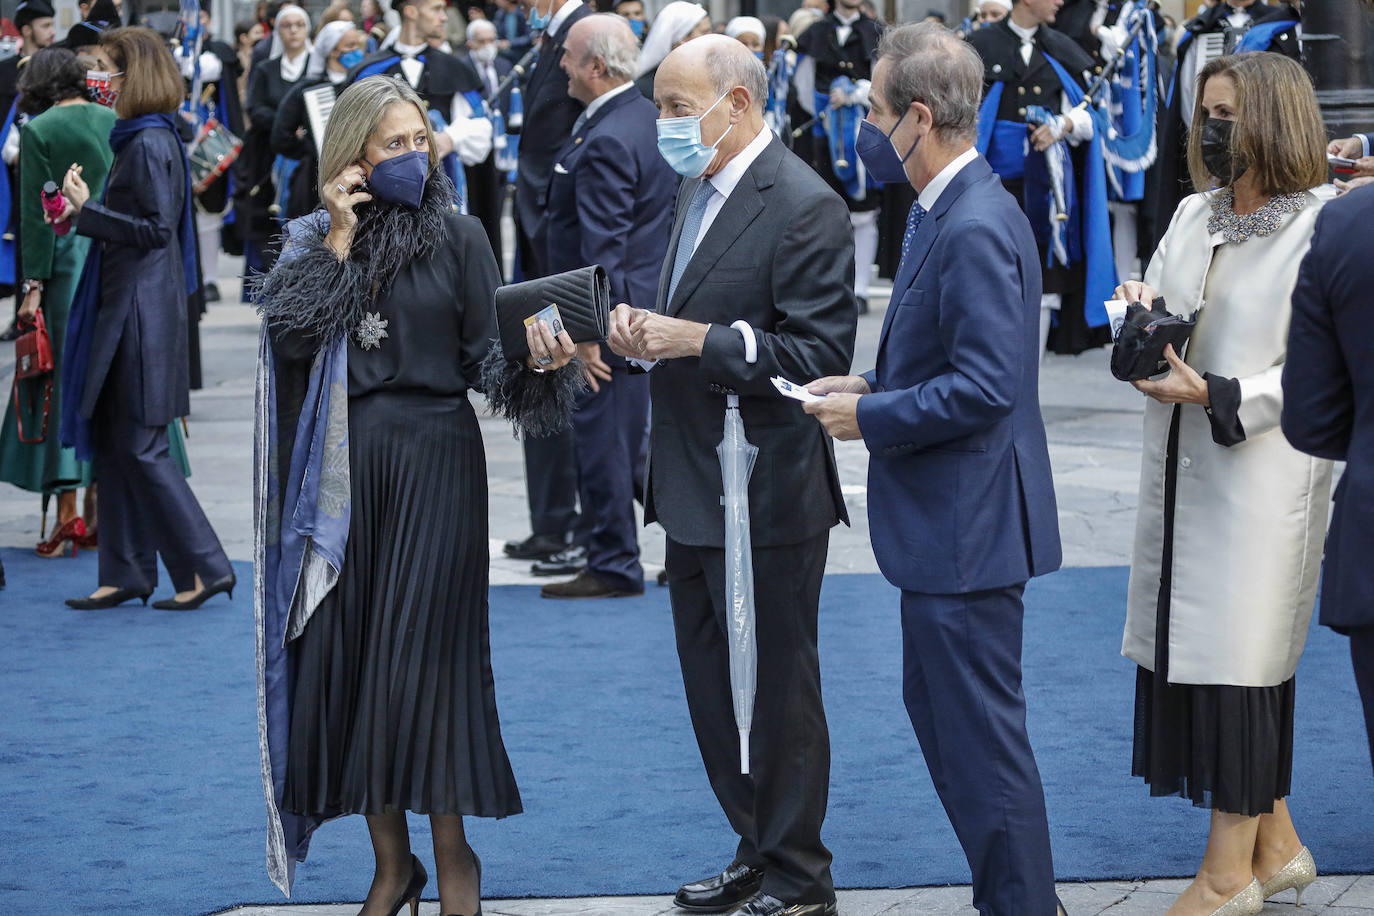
{"x": 1043, "y": 67}
{"x": 832, "y": 48}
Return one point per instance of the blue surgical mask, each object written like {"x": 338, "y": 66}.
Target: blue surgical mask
{"x": 879, "y": 156}
{"x": 637, "y": 26}
{"x": 400, "y": 179}
{"x": 759, "y": 55}
{"x": 539, "y": 23}
{"x": 351, "y": 59}
{"x": 679, "y": 143}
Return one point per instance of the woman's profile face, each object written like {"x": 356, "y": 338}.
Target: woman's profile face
{"x": 103, "y": 63}
{"x": 401, "y": 131}
{"x": 1219, "y": 98}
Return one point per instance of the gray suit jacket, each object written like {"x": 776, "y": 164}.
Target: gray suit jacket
{"x": 779, "y": 255}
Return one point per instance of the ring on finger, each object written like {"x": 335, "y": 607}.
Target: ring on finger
{"x": 342, "y": 189}
{"x": 545, "y": 360}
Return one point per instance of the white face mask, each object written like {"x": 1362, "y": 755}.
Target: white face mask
{"x": 485, "y": 54}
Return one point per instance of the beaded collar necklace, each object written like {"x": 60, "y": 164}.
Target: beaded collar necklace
{"x": 1263, "y": 221}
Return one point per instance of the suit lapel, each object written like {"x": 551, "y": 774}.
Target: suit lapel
{"x": 740, "y": 209}
{"x": 684, "y": 193}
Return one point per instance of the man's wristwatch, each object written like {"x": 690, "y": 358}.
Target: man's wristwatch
{"x": 29, "y": 286}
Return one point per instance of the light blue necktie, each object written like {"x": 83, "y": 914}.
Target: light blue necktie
{"x": 691, "y": 226}
{"x": 913, "y": 222}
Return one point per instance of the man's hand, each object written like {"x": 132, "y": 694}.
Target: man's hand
{"x": 1343, "y": 187}
{"x": 1046, "y": 135}
{"x": 1349, "y": 148}
{"x": 597, "y": 368}
{"x": 1181, "y": 386}
{"x": 846, "y": 384}
{"x": 838, "y": 413}
{"x": 660, "y": 337}
{"x": 1364, "y": 167}
{"x": 443, "y": 143}
{"x": 620, "y": 339}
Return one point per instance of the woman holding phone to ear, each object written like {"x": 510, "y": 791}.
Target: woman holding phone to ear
{"x": 378, "y": 317}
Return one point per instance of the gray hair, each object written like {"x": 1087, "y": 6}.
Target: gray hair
{"x": 928, "y": 63}
{"x": 613, "y": 41}
{"x": 482, "y": 25}
{"x": 358, "y": 111}
{"x": 729, "y": 67}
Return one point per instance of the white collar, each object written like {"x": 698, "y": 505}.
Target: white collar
{"x": 409, "y": 50}
{"x": 292, "y": 68}
{"x": 1024, "y": 34}
{"x": 930, "y": 194}
{"x": 605, "y": 97}
{"x": 851, "y": 20}
{"x": 561, "y": 16}
{"x": 731, "y": 172}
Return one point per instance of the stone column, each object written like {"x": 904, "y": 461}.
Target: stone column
{"x": 1338, "y": 50}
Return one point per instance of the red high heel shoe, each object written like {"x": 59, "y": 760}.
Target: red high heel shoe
{"x": 73, "y": 531}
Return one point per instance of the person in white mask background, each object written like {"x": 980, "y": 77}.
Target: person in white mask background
{"x": 486, "y": 186}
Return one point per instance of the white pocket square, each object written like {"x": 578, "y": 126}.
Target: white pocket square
{"x": 558, "y": 168}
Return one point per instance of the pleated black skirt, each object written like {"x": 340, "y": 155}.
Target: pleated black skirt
{"x": 1224, "y": 747}
{"x": 394, "y": 704}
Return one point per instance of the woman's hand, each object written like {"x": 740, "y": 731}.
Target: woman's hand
{"x": 547, "y": 352}
{"x": 341, "y": 194}
{"x": 29, "y": 308}
{"x": 1135, "y": 291}
{"x": 598, "y": 370}
{"x": 75, "y": 191}
{"x": 1181, "y": 386}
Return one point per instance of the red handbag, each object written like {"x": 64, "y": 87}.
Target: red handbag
{"x": 33, "y": 361}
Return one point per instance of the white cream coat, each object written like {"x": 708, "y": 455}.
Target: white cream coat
{"x": 1249, "y": 520}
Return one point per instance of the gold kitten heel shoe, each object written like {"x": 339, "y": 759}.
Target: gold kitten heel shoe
{"x": 1298, "y": 875}
{"x": 1249, "y": 902}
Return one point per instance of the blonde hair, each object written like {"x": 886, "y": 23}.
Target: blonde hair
{"x": 1279, "y": 135}
{"x": 358, "y": 111}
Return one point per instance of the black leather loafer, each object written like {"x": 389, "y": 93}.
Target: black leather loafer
{"x": 721, "y": 892}
{"x": 764, "y": 905}
{"x": 535, "y": 547}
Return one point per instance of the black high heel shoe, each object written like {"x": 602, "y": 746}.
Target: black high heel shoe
{"x": 418, "y": 879}
{"x": 205, "y": 594}
{"x": 478, "y": 859}
{"x": 113, "y": 599}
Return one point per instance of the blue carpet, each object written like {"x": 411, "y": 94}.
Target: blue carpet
{"x": 128, "y": 753}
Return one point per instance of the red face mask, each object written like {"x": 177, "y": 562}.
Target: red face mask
{"x": 99, "y": 89}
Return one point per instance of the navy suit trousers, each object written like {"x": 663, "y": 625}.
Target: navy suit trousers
{"x": 611, "y": 431}
{"x": 146, "y": 506}
{"x": 1362, "y": 656}
{"x": 961, "y": 681}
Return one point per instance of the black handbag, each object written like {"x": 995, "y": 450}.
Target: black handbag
{"x": 1138, "y": 351}
{"x": 583, "y": 298}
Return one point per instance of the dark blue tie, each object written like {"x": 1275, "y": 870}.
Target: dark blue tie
{"x": 913, "y": 222}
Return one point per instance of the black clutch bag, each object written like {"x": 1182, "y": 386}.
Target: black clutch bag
{"x": 1138, "y": 351}
{"x": 582, "y": 298}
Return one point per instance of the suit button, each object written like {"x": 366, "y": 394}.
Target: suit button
{"x": 1021, "y": 112}
{"x": 1037, "y": 90}
{"x": 1185, "y": 462}
{"x": 1020, "y": 90}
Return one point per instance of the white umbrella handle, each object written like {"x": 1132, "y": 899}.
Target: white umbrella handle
{"x": 751, "y": 356}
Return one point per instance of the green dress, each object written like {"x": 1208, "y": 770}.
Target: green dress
{"x": 49, "y": 144}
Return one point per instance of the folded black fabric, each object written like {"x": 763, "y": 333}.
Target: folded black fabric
{"x": 583, "y": 297}
{"x": 1138, "y": 352}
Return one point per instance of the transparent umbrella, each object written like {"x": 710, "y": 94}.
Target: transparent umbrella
{"x": 737, "y": 457}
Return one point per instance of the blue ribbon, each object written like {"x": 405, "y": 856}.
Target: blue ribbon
{"x": 7, "y": 247}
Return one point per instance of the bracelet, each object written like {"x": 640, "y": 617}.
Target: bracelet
{"x": 29, "y": 286}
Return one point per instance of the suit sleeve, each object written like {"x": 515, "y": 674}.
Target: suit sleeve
{"x": 1318, "y": 394}
{"x": 159, "y": 188}
{"x": 260, "y": 109}
{"x": 36, "y": 238}
{"x": 983, "y": 327}
{"x": 606, "y": 180}
{"x": 290, "y": 116}
{"x": 813, "y": 297}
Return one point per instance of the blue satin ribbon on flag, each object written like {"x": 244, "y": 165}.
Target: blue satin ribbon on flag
{"x": 8, "y": 259}
{"x": 1260, "y": 36}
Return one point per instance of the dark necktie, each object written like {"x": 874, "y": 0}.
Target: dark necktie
{"x": 691, "y": 227}
{"x": 913, "y": 222}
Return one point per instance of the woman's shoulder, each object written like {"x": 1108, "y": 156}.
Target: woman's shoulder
{"x": 462, "y": 228}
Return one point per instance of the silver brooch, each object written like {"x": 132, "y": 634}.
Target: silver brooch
{"x": 1264, "y": 221}
{"x": 371, "y": 330}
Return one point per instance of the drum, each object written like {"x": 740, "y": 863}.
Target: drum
{"x": 211, "y": 153}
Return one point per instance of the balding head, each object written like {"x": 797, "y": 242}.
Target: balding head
{"x": 600, "y": 53}
{"x": 720, "y": 81}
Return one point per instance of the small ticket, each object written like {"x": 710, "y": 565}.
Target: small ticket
{"x": 550, "y": 314}
{"x": 794, "y": 391}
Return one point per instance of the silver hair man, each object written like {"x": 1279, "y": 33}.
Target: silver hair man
{"x": 931, "y": 65}
{"x": 612, "y": 42}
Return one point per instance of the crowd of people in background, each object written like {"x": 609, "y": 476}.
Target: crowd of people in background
{"x": 742, "y": 184}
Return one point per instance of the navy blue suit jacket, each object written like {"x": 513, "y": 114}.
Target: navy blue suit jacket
{"x": 611, "y": 198}
{"x": 960, "y": 495}
{"x": 1328, "y": 393}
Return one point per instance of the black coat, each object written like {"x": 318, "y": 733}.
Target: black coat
{"x": 549, "y": 116}
{"x": 142, "y": 286}
{"x": 854, "y": 59}
{"x": 779, "y": 255}
{"x": 253, "y": 190}
{"x": 303, "y": 195}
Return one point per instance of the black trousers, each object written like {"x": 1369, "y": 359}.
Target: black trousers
{"x": 776, "y": 810}
{"x": 1362, "y": 656}
{"x": 486, "y": 194}
{"x": 146, "y": 506}
{"x": 961, "y": 680}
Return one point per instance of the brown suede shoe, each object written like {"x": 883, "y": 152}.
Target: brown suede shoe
{"x": 585, "y": 585}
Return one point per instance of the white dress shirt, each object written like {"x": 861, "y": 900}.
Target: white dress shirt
{"x": 561, "y": 16}
{"x": 846, "y": 26}
{"x": 1081, "y": 120}
{"x": 471, "y": 136}
{"x": 728, "y": 177}
{"x": 936, "y": 186}
{"x": 603, "y": 98}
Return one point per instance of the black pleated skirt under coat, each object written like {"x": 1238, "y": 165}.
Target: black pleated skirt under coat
{"x": 1224, "y": 747}
{"x": 394, "y": 705}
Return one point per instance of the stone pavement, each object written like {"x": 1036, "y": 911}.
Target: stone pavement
{"x": 1094, "y": 428}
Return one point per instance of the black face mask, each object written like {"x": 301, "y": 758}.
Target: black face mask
{"x": 1216, "y": 150}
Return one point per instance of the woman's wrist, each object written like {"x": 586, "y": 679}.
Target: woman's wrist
{"x": 339, "y": 241}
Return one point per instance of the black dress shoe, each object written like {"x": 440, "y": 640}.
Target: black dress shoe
{"x": 205, "y": 594}
{"x": 863, "y": 304}
{"x": 763, "y": 905}
{"x": 586, "y": 586}
{"x": 10, "y": 333}
{"x": 211, "y": 293}
{"x": 721, "y": 892}
{"x": 662, "y": 577}
{"x": 535, "y": 547}
{"x": 113, "y": 599}
{"x": 568, "y": 562}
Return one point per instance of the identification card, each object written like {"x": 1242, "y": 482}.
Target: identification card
{"x": 794, "y": 391}
{"x": 550, "y": 314}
